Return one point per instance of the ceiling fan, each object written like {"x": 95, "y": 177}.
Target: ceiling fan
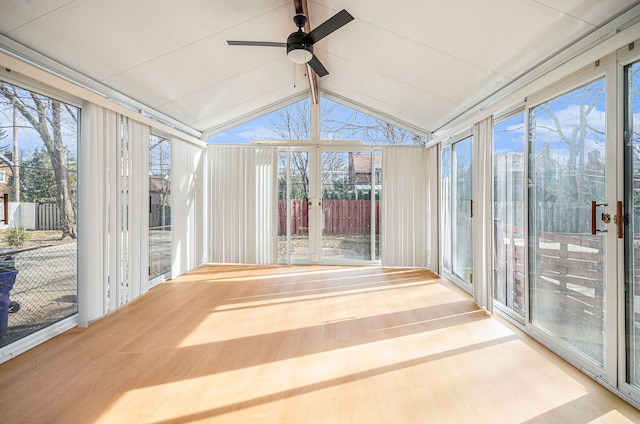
{"x": 300, "y": 44}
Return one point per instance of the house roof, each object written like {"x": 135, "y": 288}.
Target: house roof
{"x": 420, "y": 64}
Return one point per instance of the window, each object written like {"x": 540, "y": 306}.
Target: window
{"x": 3, "y": 176}
{"x": 341, "y": 122}
{"x": 38, "y": 255}
{"x": 291, "y": 122}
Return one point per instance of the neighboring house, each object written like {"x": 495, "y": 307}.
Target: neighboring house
{"x": 159, "y": 202}
{"x": 6, "y": 161}
{"x": 360, "y": 171}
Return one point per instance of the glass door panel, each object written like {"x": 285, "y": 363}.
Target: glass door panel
{"x": 293, "y": 206}
{"x": 509, "y": 212}
{"x": 346, "y": 205}
{"x": 446, "y": 208}
{"x": 567, "y": 261}
{"x": 299, "y": 205}
{"x": 632, "y": 230}
{"x": 283, "y": 200}
{"x": 461, "y": 187}
{"x": 159, "y": 207}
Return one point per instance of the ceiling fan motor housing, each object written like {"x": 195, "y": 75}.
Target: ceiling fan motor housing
{"x": 297, "y": 50}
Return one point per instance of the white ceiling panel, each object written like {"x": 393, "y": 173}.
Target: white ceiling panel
{"x": 497, "y": 35}
{"x": 416, "y": 106}
{"x": 591, "y": 11}
{"x": 239, "y": 96}
{"x": 185, "y": 70}
{"x": 16, "y": 13}
{"x": 425, "y": 68}
{"x": 419, "y": 62}
{"x": 103, "y": 38}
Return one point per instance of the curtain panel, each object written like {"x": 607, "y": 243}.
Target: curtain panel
{"x": 242, "y": 198}
{"x": 112, "y": 193}
{"x": 186, "y": 206}
{"x": 405, "y": 222}
{"x": 433, "y": 208}
{"x": 482, "y": 214}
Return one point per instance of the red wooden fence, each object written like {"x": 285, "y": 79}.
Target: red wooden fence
{"x": 569, "y": 271}
{"x": 338, "y": 216}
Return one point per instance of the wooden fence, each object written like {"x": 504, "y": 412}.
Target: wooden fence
{"x": 568, "y": 272}
{"x": 47, "y": 216}
{"x": 554, "y": 217}
{"x": 338, "y": 217}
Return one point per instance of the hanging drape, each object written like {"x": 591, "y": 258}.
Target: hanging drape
{"x": 242, "y": 216}
{"x": 433, "y": 208}
{"x": 138, "y": 210}
{"x": 404, "y": 205}
{"x": 186, "y": 203}
{"x": 98, "y": 131}
{"x": 482, "y": 213}
{"x": 112, "y": 193}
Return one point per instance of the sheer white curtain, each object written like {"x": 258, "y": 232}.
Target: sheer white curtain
{"x": 242, "y": 198}
{"x": 404, "y": 206}
{"x": 482, "y": 214}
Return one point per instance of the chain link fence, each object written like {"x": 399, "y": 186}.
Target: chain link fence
{"x": 159, "y": 251}
{"x": 44, "y": 291}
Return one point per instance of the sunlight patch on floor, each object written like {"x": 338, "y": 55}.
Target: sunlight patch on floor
{"x": 612, "y": 417}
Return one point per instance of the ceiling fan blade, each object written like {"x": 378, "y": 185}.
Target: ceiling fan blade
{"x": 327, "y": 27}
{"x": 319, "y": 69}
{"x": 256, "y": 43}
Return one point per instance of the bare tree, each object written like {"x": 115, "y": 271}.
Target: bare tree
{"x": 586, "y": 100}
{"x": 293, "y": 123}
{"x": 338, "y": 123}
{"x": 160, "y": 167}
{"x": 46, "y": 116}
{"x": 368, "y": 129}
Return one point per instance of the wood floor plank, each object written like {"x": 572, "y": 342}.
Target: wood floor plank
{"x": 311, "y": 344}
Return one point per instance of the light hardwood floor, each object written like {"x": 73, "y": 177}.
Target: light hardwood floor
{"x": 301, "y": 344}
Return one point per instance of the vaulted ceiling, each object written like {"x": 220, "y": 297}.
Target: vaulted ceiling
{"x": 421, "y": 63}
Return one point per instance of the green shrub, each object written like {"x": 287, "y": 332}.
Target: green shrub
{"x": 16, "y": 236}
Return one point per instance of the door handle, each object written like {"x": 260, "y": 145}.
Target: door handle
{"x": 619, "y": 219}
{"x": 606, "y": 218}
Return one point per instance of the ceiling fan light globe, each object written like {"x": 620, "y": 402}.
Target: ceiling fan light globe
{"x": 299, "y": 56}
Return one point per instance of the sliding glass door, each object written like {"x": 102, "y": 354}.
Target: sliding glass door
{"x": 632, "y": 214}
{"x": 509, "y": 137}
{"x": 349, "y": 202}
{"x": 328, "y": 205}
{"x": 159, "y": 208}
{"x": 293, "y": 206}
{"x": 568, "y": 216}
{"x": 457, "y": 209}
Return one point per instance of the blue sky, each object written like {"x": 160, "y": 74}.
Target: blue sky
{"x": 28, "y": 138}
{"x": 334, "y": 116}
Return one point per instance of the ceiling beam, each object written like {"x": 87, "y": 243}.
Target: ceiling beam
{"x": 302, "y": 7}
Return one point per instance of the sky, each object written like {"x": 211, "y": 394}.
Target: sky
{"x": 261, "y": 128}
{"x": 28, "y": 138}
